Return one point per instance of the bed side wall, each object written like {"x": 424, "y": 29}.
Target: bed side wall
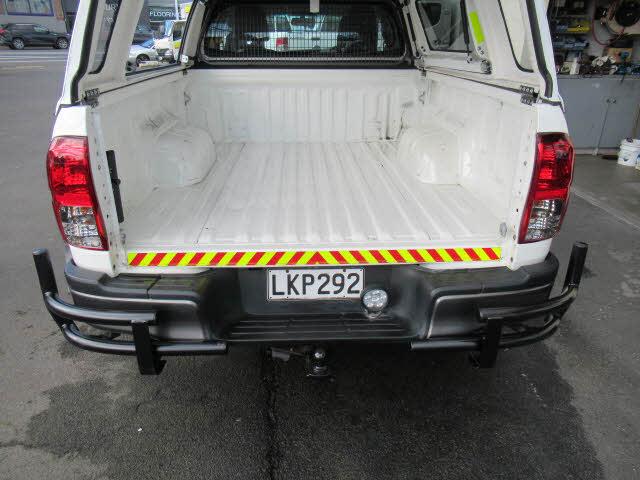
{"x": 483, "y": 138}
{"x": 145, "y": 126}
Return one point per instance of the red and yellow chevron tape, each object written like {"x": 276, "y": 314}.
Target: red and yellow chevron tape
{"x": 312, "y": 257}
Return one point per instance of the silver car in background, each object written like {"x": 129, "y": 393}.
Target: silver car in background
{"x": 144, "y": 52}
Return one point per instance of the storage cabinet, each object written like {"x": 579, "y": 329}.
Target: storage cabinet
{"x": 601, "y": 111}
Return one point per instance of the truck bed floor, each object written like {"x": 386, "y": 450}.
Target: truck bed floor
{"x": 276, "y": 195}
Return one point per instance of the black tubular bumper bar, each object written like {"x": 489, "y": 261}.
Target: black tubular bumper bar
{"x": 487, "y": 345}
{"x": 147, "y": 351}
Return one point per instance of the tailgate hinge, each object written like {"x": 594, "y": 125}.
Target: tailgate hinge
{"x": 528, "y": 95}
{"x": 91, "y": 97}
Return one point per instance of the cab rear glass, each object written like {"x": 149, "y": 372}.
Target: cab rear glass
{"x": 290, "y": 32}
{"x": 107, "y": 24}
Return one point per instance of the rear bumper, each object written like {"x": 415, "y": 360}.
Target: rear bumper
{"x": 201, "y": 314}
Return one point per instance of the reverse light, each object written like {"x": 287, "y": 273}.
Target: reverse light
{"x": 549, "y": 192}
{"x": 74, "y": 200}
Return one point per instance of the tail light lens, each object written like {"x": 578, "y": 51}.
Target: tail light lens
{"x": 282, "y": 43}
{"x": 74, "y": 199}
{"x": 549, "y": 192}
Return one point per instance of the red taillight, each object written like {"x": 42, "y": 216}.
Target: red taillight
{"x": 282, "y": 43}
{"x": 2, "y": 30}
{"x": 74, "y": 200}
{"x": 549, "y": 192}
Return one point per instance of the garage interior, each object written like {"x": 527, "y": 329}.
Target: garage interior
{"x": 597, "y": 53}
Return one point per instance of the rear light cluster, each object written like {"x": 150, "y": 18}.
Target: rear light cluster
{"x": 282, "y": 43}
{"x": 549, "y": 192}
{"x": 74, "y": 200}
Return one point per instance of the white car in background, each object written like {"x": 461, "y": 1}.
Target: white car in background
{"x": 145, "y": 52}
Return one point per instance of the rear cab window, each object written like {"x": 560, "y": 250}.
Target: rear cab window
{"x": 337, "y": 32}
{"x": 444, "y": 25}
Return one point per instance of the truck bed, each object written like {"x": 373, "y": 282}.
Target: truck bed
{"x": 308, "y": 195}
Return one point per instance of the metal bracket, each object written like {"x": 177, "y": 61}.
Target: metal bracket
{"x": 91, "y": 97}
{"x": 148, "y": 361}
{"x": 489, "y": 344}
{"x": 528, "y": 95}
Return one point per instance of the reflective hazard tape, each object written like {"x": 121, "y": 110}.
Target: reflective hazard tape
{"x": 313, "y": 257}
{"x": 476, "y": 28}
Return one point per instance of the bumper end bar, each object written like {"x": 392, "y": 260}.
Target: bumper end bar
{"x": 148, "y": 352}
{"x": 486, "y": 348}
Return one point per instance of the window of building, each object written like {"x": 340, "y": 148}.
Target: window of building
{"x": 28, "y": 7}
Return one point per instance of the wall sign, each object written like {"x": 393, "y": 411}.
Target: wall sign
{"x": 159, "y": 14}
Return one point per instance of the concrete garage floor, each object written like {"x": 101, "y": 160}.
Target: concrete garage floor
{"x": 565, "y": 408}
{"x": 614, "y": 189}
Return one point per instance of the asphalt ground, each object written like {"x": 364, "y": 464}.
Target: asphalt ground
{"x": 567, "y": 408}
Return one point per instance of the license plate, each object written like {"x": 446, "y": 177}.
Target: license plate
{"x": 315, "y": 284}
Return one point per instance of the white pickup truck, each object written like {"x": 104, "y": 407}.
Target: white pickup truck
{"x": 401, "y": 184}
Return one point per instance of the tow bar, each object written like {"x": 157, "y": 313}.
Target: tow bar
{"x": 315, "y": 359}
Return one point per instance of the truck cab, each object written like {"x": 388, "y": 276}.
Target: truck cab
{"x": 393, "y": 176}
{"x": 168, "y": 46}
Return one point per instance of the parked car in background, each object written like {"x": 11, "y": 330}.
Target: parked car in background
{"x": 142, "y": 53}
{"x": 169, "y": 45}
{"x": 20, "y": 35}
{"x": 305, "y": 32}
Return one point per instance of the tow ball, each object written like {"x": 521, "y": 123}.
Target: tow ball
{"x": 315, "y": 358}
